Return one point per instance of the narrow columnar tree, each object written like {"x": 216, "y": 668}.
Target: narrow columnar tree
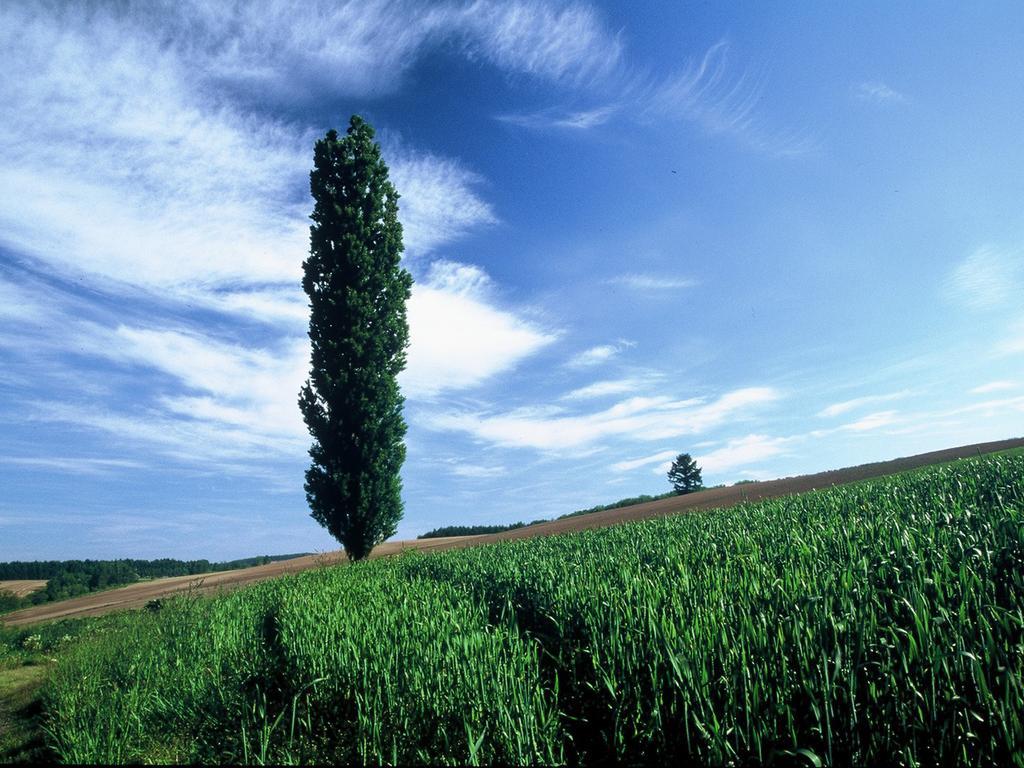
{"x": 685, "y": 474}
{"x": 358, "y": 333}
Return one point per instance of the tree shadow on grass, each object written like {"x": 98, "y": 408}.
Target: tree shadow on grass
{"x": 22, "y": 739}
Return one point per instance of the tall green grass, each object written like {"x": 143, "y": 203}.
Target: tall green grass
{"x": 881, "y": 623}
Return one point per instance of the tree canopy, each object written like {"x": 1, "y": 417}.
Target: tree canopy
{"x": 685, "y": 474}
{"x": 358, "y": 335}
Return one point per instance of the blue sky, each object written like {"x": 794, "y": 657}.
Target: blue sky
{"x": 783, "y": 239}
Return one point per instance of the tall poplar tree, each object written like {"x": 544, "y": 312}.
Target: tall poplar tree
{"x": 358, "y": 333}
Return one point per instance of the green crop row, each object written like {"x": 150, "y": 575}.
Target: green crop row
{"x": 880, "y": 623}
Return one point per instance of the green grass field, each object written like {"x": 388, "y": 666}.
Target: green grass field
{"x": 878, "y": 623}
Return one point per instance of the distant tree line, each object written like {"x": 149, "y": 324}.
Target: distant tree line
{"x": 642, "y": 498}
{"x": 143, "y": 569}
{"x": 50, "y": 569}
{"x": 478, "y": 530}
{"x": 684, "y": 475}
{"x": 473, "y": 530}
{"x": 71, "y": 578}
{"x": 86, "y": 577}
{"x": 11, "y": 602}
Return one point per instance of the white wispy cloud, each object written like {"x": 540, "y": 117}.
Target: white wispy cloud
{"x": 653, "y": 282}
{"x": 637, "y": 418}
{"x": 208, "y": 196}
{"x": 574, "y": 120}
{"x": 219, "y": 385}
{"x": 17, "y": 304}
{"x": 196, "y": 190}
{"x": 438, "y": 202}
{"x": 232, "y": 400}
{"x": 871, "y": 422}
{"x": 979, "y": 421}
{"x": 989, "y": 278}
{"x": 606, "y": 388}
{"x": 994, "y": 386}
{"x": 704, "y": 91}
{"x": 75, "y": 465}
{"x": 597, "y": 355}
{"x": 846, "y": 406}
{"x": 878, "y": 91}
{"x": 458, "y": 336}
{"x": 707, "y": 92}
{"x": 190, "y": 440}
{"x": 174, "y": 186}
{"x": 656, "y": 458}
{"x": 288, "y": 50}
{"x": 477, "y": 471}
{"x": 1012, "y": 342}
{"x": 214, "y": 401}
{"x": 868, "y": 423}
{"x": 1005, "y": 405}
{"x": 557, "y": 41}
{"x": 742, "y": 452}
{"x": 360, "y": 48}
{"x": 991, "y": 419}
{"x": 281, "y": 305}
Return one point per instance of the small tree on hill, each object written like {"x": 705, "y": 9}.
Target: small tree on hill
{"x": 685, "y": 474}
{"x": 358, "y": 334}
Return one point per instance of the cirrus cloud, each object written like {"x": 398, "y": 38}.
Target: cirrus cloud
{"x": 458, "y": 336}
{"x": 636, "y": 418}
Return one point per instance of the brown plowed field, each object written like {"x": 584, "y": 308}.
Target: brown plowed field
{"x": 22, "y": 587}
{"x": 137, "y": 595}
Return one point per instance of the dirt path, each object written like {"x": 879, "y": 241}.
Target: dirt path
{"x": 137, "y": 595}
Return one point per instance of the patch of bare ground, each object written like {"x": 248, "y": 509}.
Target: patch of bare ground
{"x": 22, "y": 587}
{"x": 137, "y": 595}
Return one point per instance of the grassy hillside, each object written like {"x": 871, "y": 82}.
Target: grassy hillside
{"x": 875, "y": 623}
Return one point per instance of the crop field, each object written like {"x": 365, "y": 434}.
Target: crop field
{"x": 875, "y": 623}
{"x": 22, "y": 587}
{"x": 139, "y": 594}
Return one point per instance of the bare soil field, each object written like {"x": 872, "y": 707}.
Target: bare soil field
{"x": 137, "y": 595}
{"x": 22, "y": 587}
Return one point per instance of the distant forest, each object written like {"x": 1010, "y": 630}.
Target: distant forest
{"x": 70, "y": 578}
{"x": 143, "y": 569}
{"x": 479, "y": 530}
{"x": 473, "y": 530}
